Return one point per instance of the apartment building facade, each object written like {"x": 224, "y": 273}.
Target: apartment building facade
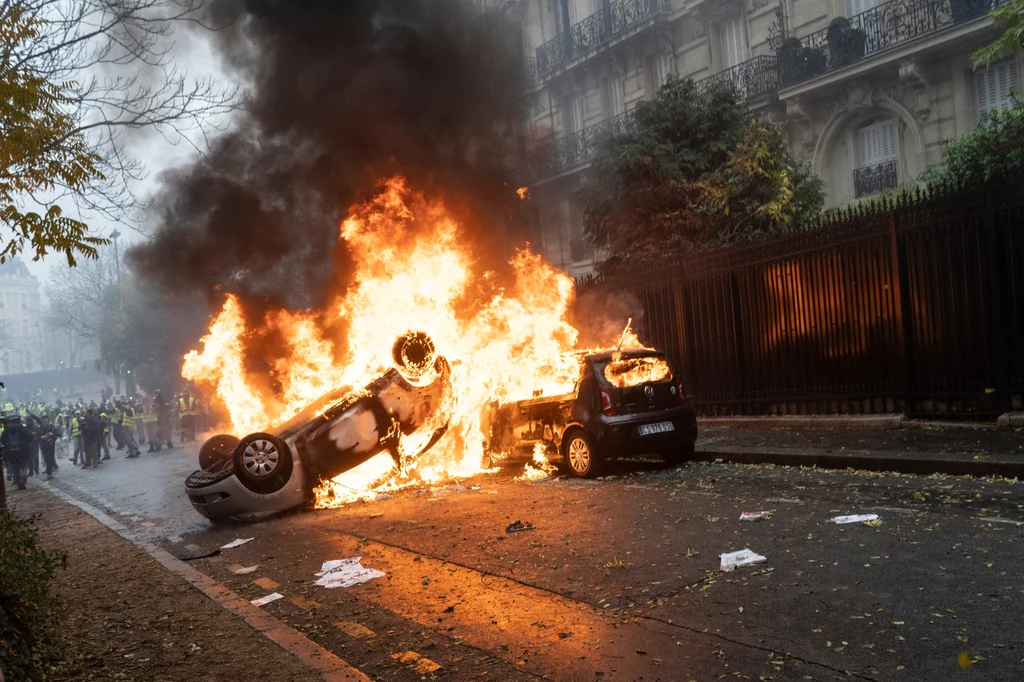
{"x": 21, "y": 332}
{"x": 866, "y": 90}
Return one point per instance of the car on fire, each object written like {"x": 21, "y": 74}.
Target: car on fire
{"x": 625, "y": 403}
{"x": 279, "y": 469}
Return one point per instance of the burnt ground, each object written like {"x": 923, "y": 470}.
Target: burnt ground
{"x": 619, "y": 579}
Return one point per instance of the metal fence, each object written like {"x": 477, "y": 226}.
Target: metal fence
{"x": 916, "y": 307}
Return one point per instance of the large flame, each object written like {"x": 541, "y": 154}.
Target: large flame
{"x": 412, "y": 270}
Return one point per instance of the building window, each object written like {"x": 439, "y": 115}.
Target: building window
{"x": 575, "y": 111}
{"x": 615, "y": 94}
{"x": 661, "y": 69}
{"x": 876, "y": 148}
{"x": 732, "y": 41}
{"x": 994, "y": 85}
{"x": 854, "y": 7}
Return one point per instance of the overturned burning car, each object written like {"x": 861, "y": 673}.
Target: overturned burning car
{"x": 279, "y": 469}
{"x": 624, "y": 403}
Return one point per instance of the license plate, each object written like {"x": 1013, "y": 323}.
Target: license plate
{"x": 660, "y": 427}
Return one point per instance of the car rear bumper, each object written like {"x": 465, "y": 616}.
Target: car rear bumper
{"x": 620, "y": 436}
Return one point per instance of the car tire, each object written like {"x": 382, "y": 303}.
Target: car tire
{"x": 680, "y": 454}
{"x": 263, "y": 463}
{"x": 578, "y": 454}
{"x": 217, "y": 449}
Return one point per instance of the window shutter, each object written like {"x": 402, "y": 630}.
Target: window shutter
{"x": 733, "y": 43}
{"x": 877, "y": 142}
{"x": 993, "y": 86}
{"x": 616, "y": 96}
{"x": 854, "y": 7}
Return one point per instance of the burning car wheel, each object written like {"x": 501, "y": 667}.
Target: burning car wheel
{"x": 579, "y": 454}
{"x": 216, "y": 449}
{"x": 263, "y": 463}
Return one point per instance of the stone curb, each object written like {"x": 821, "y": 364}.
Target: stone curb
{"x": 896, "y": 462}
{"x": 330, "y": 667}
{"x": 856, "y": 421}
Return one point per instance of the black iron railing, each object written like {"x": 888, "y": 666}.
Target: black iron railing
{"x": 874, "y": 179}
{"x": 753, "y": 78}
{"x": 603, "y": 25}
{"x": 871, "y": 32}
{"x": 556, "y": 156}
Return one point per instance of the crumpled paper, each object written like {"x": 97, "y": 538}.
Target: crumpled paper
{"x": 345, "y": 573}
{"x": 236, "y": 543}
{"x": 741, "y": 558}
{"x": 856, "y": 518}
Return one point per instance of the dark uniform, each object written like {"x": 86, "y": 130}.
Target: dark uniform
{"x": 14, "y": 444}
{"x": 47, "y": 442}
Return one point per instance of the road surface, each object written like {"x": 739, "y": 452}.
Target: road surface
{"x": 620, "y": 579}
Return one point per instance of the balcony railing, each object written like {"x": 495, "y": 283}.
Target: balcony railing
{"x": 603, "y": 25}
{"x": 873, "y": 179}
{"x": 556, "y": 156}
{"x": 753, "y": 78}
{"x": 871, "y": 32}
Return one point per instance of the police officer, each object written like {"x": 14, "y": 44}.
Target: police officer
{"x": 14, "y": 442}
{"x": 47, "y": 442}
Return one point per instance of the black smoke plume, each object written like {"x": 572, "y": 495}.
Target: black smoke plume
{"x": 344, "y": 93}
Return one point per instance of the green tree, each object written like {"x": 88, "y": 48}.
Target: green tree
{"x": 39, "y": 150}
{"x": 1008, "y": 19}
{"x": 993, "y": 151}
{"x": 692, "y": 169}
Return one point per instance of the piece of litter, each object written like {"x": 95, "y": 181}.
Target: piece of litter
{"x": 719, "y": 461}
{"x": 855, "y": 518}
{"x": 262, "y": 601}
{"x": 873, "y": 523}
{"x": 243, "y": 570}
{"x": 345, "y": 573}
{"x": 200, "y": 555}
{"x": 193, "y": 647}
{"x": 518, "y": 527}
{"x": 236, "y": 543}
{"x": 997, "y": 519}
{"x": 755, "y": 516}
{"x": 741, "y": 558}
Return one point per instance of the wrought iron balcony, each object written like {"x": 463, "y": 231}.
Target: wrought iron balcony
{"x": 557, "y": 156}
{"x": 871, "y": 32}
{"x": 601, "y": 26}
{"x": 873, "y": 179}
{"x": 753, "y": 78}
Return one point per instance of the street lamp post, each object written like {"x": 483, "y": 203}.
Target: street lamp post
{"x": 117, "y": 259}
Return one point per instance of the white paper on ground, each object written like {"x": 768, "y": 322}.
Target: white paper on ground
{"x": 856, "y": 518}
{"x": 236, "y": 543}
{"x": 755, "y": 516}
{"x": 741, "y": 558}
{"x": 273, "y": 596}
{"x": 345, "y": 573}
{"x": 244, "y": 570}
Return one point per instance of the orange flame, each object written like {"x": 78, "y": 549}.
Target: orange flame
{"x": 523, "y": 192}
{"x": 412, "y": 270}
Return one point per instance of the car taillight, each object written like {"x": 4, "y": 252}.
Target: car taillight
{"x": 607, "y": 404}
{"x": 680, "y": 391}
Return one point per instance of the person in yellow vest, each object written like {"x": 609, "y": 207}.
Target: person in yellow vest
{"x": 188, "y": 408}
{"x": 149, "y": 419}
{"x": 75, "y": 432}
{"x": 128, "y": 430}
{"x": 105, "y": 433}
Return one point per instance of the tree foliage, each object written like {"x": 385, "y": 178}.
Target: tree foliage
{"x": 692, "y": 169}
{"x": 993, "y": 151}
{"x": 40, "y": 150}
{"x": 1008, "y": 18}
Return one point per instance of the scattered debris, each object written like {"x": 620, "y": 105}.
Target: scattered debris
{"x": 755, "y": 516}
{"x": 873, "y": 523}
{"x": 238, "y": 569}
{"x": 193, "y": 647}
{"x": 200, "y": 555}
{"x": 741, "y": 558}
{"x": 353, "y": 629}
{"x": 236, "y": 543}
{"x": 518, "y": 527}
{"x": 617, "y": 563}
{"x": 997, "y": 519}
{"x": 263, "y": 601}
{"x": 345, "y": 573}
{"x": 855, "y": 518}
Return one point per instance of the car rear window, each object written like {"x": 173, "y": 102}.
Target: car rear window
{"x": 622, "y": 372}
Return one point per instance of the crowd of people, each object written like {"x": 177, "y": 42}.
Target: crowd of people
{"x": 32, "y": 433}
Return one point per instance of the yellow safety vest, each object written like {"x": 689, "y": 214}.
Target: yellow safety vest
{"x": 75, "y": 431}
{"x": 128, "y": 420}
{"x": 187, "y": 409}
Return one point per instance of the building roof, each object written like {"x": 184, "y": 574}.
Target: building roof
{"x": 14, "y": 267}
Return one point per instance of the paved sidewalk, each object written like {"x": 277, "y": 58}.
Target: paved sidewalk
{"x": 127, "y": 618}
{"x": 929, "y": 449}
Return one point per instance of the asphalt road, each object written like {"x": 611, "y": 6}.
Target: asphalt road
{"x": 620, "y": 579}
